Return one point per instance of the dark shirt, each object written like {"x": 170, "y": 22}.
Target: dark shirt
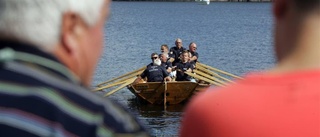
{"x": 166, "y": 64}
{"x": 177, "y": 52}
{"x": 194, "y": 54}
{"x": 183, "y": 67}
{"x": 151, "y": 64}
{"x": 41, "y": 97}
{"x": 154, "y": 73}
{"x": 171, "y": 55}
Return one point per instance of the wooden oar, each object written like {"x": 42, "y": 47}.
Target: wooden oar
{"x": 218, "y": 70}
{"x": 204, "y": 79}
{"x": 165, "y": 95}
{"x": 135, "y": 72}
{"x": 212, "y": 73}
{"x": 129, "y": 81}
{"x": 205, "y": 70}
{"x": 209, "y": 77}
{"x": 113, "y": 84}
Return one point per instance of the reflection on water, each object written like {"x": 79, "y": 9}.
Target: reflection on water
{"x": 161, "y": 121}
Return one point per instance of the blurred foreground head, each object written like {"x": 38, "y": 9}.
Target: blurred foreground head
{"x": 297, "y": 33}
{"x": 70, "y": 30}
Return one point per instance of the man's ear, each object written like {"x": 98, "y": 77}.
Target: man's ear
{"x": 280, "y": 8}
{"x": 70, "y": 32}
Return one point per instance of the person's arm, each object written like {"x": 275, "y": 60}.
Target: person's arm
{"x": 137, "y": 80}
{"x": 194, "y": 57}
{"x": 179, "y": 69}
{"x": 168, "y": 78}
{"x": 191, "y": 67}
{"x": 189, "y": 70}
{"x": 174, "y": 68}
{"x": 174, "y": 65}
{"x": 169, "y": 69}
{"x": 171, "y": 59}
{"x": 165, "y": 74}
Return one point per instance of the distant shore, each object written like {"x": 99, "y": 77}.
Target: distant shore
{"x": 210, "y": 0}
{"x": 242, "y": 0}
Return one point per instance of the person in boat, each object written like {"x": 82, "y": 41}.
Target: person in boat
{"x": 177, "y": 50}
{"x": 154, "y": 71}
{"x": 165, "y": 63}
{"x": 184, "y": 66}
{"x": 153, "y": 57}
{"x": 48, "y": 53}
{"x": 193, "y": 53}
{"x": 283, "y": 101}
{"x": 168, "y": 65}
{"x": 165, "y": 49}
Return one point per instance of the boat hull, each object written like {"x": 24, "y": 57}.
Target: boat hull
{"x": 172, "y": 92}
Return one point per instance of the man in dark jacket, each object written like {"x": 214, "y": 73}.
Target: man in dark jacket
{"x": 193, "y": 52}
{"x": 154, "y": 71}
{"x": 184, "y": 66}
{"x": 177, "y": 50}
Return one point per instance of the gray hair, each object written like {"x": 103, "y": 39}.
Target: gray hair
{"x": 38, "y": 22}
{"x": 164, "y": 54}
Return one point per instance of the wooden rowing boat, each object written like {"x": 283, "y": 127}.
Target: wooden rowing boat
{"x": 165, "y": 93}
{"x": 175, "y": 93}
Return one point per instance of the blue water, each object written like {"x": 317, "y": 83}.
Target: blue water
{"x": 234, "y": 37}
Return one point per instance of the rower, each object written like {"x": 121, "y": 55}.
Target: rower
{"x": 154, "y": 71}
{"x": 184, "y": 66}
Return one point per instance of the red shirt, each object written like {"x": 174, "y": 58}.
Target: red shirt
{"x": 261, "y": 105}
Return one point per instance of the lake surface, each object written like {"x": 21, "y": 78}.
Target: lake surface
{"x": 234, "y": 37}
